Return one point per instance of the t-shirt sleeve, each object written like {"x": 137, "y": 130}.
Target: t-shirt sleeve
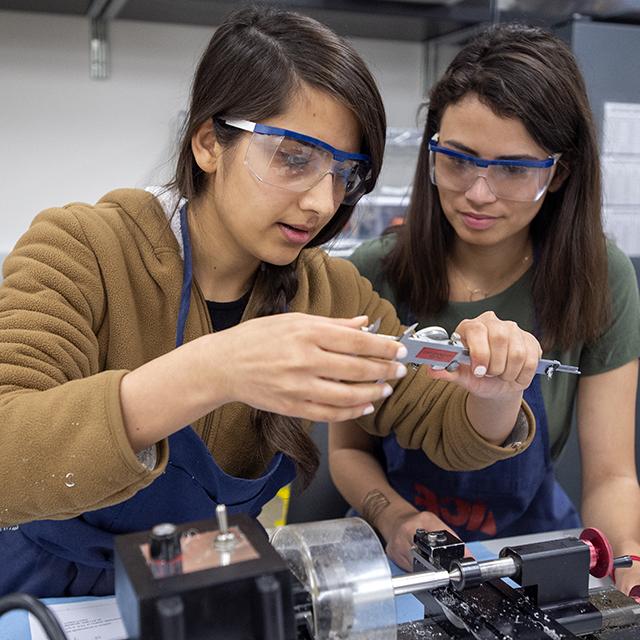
{"x": 368, "y": 258}
{"x": 620, "y": 342}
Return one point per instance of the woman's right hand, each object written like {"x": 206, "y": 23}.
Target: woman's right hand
{"x": 398, "y": 524}
{"x": 311, "y": 367}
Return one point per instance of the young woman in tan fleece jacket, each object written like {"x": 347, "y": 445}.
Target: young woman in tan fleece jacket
{"x": 107, "y": 311}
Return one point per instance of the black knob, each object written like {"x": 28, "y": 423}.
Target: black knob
{"x": 622, "y": 562}
{"x": 165, "y": 542}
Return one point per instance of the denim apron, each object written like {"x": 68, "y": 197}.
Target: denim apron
{"x": 75, "y": 557}
{"x": 511, "y": 497}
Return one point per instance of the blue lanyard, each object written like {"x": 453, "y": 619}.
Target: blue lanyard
{"x": 187, "y": 277}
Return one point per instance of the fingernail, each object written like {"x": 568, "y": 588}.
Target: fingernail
{"x": 402, "y": 352}
{"x": 387, "y": 390}
{"x": 401, "y": 371}
{"x": 479, "y": 371}
{"x": 367, "y": 410}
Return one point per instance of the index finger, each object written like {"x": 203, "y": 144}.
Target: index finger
{"x": 341, "y": 339}
{"x": 475, "y": 336}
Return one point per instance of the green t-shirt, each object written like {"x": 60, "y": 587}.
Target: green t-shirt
{"x": 619, "y": 344}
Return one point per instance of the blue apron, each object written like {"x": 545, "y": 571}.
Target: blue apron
{"x": 511, "y": 497}
{"x": 74, "y": 557}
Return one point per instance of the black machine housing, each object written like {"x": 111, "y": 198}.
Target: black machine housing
{"x": 242, "y": 599}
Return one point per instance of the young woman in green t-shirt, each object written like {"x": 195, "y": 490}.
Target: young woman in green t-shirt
{"x": 506, "y": 216}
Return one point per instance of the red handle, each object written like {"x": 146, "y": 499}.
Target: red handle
{"x": 601, "y": 563}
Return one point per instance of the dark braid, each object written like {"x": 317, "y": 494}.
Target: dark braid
{"x": 276, "y": 287}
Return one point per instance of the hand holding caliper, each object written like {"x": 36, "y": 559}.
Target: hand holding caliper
{"x": 433, "y": 346}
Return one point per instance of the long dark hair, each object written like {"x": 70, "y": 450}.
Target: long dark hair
{"x": 526, "y": 73}
{"x": 254, "y": 65}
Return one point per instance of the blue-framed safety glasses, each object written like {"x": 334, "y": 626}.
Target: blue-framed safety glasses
{"x": 297, "y": 162}
{"x": 516, "y": 180}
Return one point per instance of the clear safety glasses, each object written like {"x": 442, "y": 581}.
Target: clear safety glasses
{"x": 516, "y": 180}
{"x": 296, "y": 162}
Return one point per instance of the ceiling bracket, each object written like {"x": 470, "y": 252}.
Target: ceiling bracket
{"x": 100, "y": 13}
{"x": 99, "y": 49}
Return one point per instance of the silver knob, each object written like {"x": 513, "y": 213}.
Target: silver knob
{"x": 225, "y": 539}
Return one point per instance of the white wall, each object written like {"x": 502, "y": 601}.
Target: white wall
{"x": 65, "y": 137}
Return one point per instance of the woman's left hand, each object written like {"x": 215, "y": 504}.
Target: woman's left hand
{"x": 504, "y": 358}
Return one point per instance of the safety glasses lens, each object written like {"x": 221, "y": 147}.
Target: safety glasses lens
{"x": 285, "y": 162}
{"x": 297, "y": 165}
{"x": 510, "y": 182}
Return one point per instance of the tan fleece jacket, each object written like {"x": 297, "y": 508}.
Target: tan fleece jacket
{"x": 91, "y": 292}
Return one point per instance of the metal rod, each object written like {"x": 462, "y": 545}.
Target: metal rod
{"x": 428, "y": 580}
{"x": 422, "y": 581}
{"x": 221, "y": 515}
{"x": 500, "y": 568}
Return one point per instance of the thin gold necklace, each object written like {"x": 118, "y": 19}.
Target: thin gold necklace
{"x": 476, "y": 293}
